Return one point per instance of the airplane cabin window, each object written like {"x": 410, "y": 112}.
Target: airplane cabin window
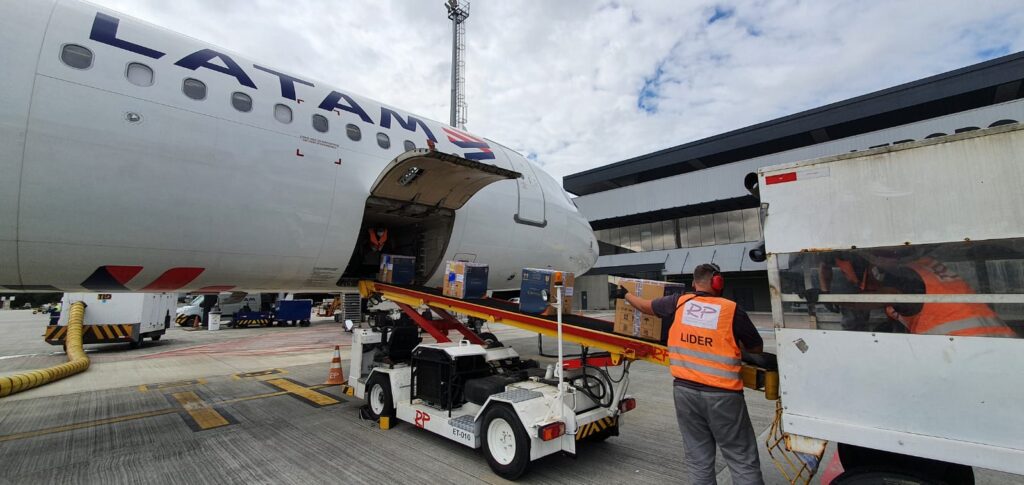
{"x": 242, "y": 102}
{"x": 320, "y": 123}
{"x": 139, "y": 74}
{"x": 409, "y": 145}
{"x": 194, "y": 88}
{"x": 76, "y": 56}
{"x": 353, "y": 132}
{"x": 383, "y": 141}
{"x": 282, "y": 113}
{"x": 1001, "y": 123}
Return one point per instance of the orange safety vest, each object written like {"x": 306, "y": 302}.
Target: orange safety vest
{"x": 959, "y": 319}
{"x": 701, "y": 345}
{"x": 378, "y": 244}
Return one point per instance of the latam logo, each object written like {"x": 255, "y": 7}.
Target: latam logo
{"x": 465, "y": 140}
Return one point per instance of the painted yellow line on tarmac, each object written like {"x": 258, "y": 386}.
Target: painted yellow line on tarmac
{"x": 306, "y": 393}
{"x": 205, "y": 416}
{"x": 85, "y": 424}
{"x": 132, "y": 417}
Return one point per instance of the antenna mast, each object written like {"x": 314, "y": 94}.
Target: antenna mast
{"x": 458, "y": 16}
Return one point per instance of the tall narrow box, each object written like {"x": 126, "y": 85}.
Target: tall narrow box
{"x": 400, "y": 270}
{"x": 537, "y": 291}
{"x": 463, "y": 280}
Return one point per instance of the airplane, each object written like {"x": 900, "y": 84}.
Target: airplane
{"x": 133, "y": 158}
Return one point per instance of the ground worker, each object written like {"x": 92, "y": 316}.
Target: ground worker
{"x": 882, "y": 272}
{"x": 705, "y": 342}
{"x": 929, "y": 276}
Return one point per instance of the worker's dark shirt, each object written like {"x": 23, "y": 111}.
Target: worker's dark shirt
{"x": 743, "y": 331}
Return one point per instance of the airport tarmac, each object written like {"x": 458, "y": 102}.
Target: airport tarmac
{"x": 248, "y": 406}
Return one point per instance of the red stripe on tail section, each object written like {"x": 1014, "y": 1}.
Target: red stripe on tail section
{"x": 174, "y": 279}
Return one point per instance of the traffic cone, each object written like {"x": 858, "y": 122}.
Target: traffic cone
{"x": 336, "y": 376}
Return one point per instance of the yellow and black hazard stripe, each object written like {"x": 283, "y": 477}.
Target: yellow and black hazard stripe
{"x": 180, "y": 319}
{"x": 608, "y": 424}
{"x": 113, "y": 332}
{"x": 252, "y": 322}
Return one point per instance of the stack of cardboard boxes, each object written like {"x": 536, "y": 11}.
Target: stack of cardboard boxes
{"x": 400, "y": 270}
{"x": 465, "y": 280}
{"x": 537, "y": 291}
{"x": 632, "y": 322}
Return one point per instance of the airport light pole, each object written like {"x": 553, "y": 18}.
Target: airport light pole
{"x": 458, "y": 15}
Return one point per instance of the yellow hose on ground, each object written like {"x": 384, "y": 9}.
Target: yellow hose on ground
{"x": 77, "y": 361}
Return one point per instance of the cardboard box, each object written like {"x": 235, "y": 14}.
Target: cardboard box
{"x": 400, "y": 270}
{"x": 464, "y": 280}
{"x": 630, "y": 321}
{"x": 537, "y": 291}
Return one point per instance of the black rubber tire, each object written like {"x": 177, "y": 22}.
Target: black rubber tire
{"x": 490, "y": 341}
{"x": 304, "y": 323}
{"x": 388, "y": 408}
{"x": 878, "y": 475}
{"x": 156, "y": 338}
{"x": 521, "y": 457}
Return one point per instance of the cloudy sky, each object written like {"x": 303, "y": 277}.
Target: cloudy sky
{"x": 577, "y": 84}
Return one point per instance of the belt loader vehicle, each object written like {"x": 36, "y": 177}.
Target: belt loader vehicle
{"x": 917, "y": 249}
{"x": 483, "y": 395}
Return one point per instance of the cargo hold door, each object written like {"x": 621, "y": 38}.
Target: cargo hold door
{"x": 436, "y": 180}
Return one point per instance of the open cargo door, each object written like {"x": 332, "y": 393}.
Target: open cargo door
{"x": 414, "y": 199}
{"x": 435, "y": 179}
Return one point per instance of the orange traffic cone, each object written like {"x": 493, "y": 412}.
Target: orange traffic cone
{"x": 336, "y": 376}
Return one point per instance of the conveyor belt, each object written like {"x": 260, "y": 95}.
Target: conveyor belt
{"x": 591, "y": 332}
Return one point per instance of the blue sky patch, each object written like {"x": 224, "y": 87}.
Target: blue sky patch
{"x": 721, "y": 13}
{"x": 992, "y": 52}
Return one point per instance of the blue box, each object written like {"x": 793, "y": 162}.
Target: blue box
{"x": 537, "y": 291}
{"x": 400, "y": 270}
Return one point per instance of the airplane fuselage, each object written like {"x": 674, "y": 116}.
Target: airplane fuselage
{"x": 137, "y": 167}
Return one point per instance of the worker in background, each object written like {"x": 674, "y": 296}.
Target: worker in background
{"x": 705, "y": 342}
{"x": 926, "y": 275}
{"x": 378, "y": 238}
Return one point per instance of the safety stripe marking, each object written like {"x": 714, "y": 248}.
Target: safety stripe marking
{"x": 96, "y": 332}
{"x": 595, "y": 427}
{"x": 106, "y": 330}
{"x": 117, "y": 330}
{"x": 200, "y": 415}
{"x": 303, "y": 393}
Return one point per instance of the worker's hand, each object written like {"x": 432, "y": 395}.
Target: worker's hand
{"x": 620, "y": 293}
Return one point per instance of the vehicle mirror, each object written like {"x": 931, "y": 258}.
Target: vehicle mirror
{"x": 751, "y": 183}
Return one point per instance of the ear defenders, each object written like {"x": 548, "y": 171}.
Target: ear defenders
{"x": 717, "y": 280}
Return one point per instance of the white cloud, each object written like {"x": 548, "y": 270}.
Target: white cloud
{"x": 563, "y": 80}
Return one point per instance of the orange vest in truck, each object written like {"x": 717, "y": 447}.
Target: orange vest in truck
{"x": 959, "y": 319}
{"x": 701, "y": 345}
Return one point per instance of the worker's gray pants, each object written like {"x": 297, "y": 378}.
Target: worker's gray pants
{"x": 707, "y": 418}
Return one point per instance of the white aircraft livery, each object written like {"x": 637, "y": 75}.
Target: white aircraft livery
{"x": 133, "y": 158}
